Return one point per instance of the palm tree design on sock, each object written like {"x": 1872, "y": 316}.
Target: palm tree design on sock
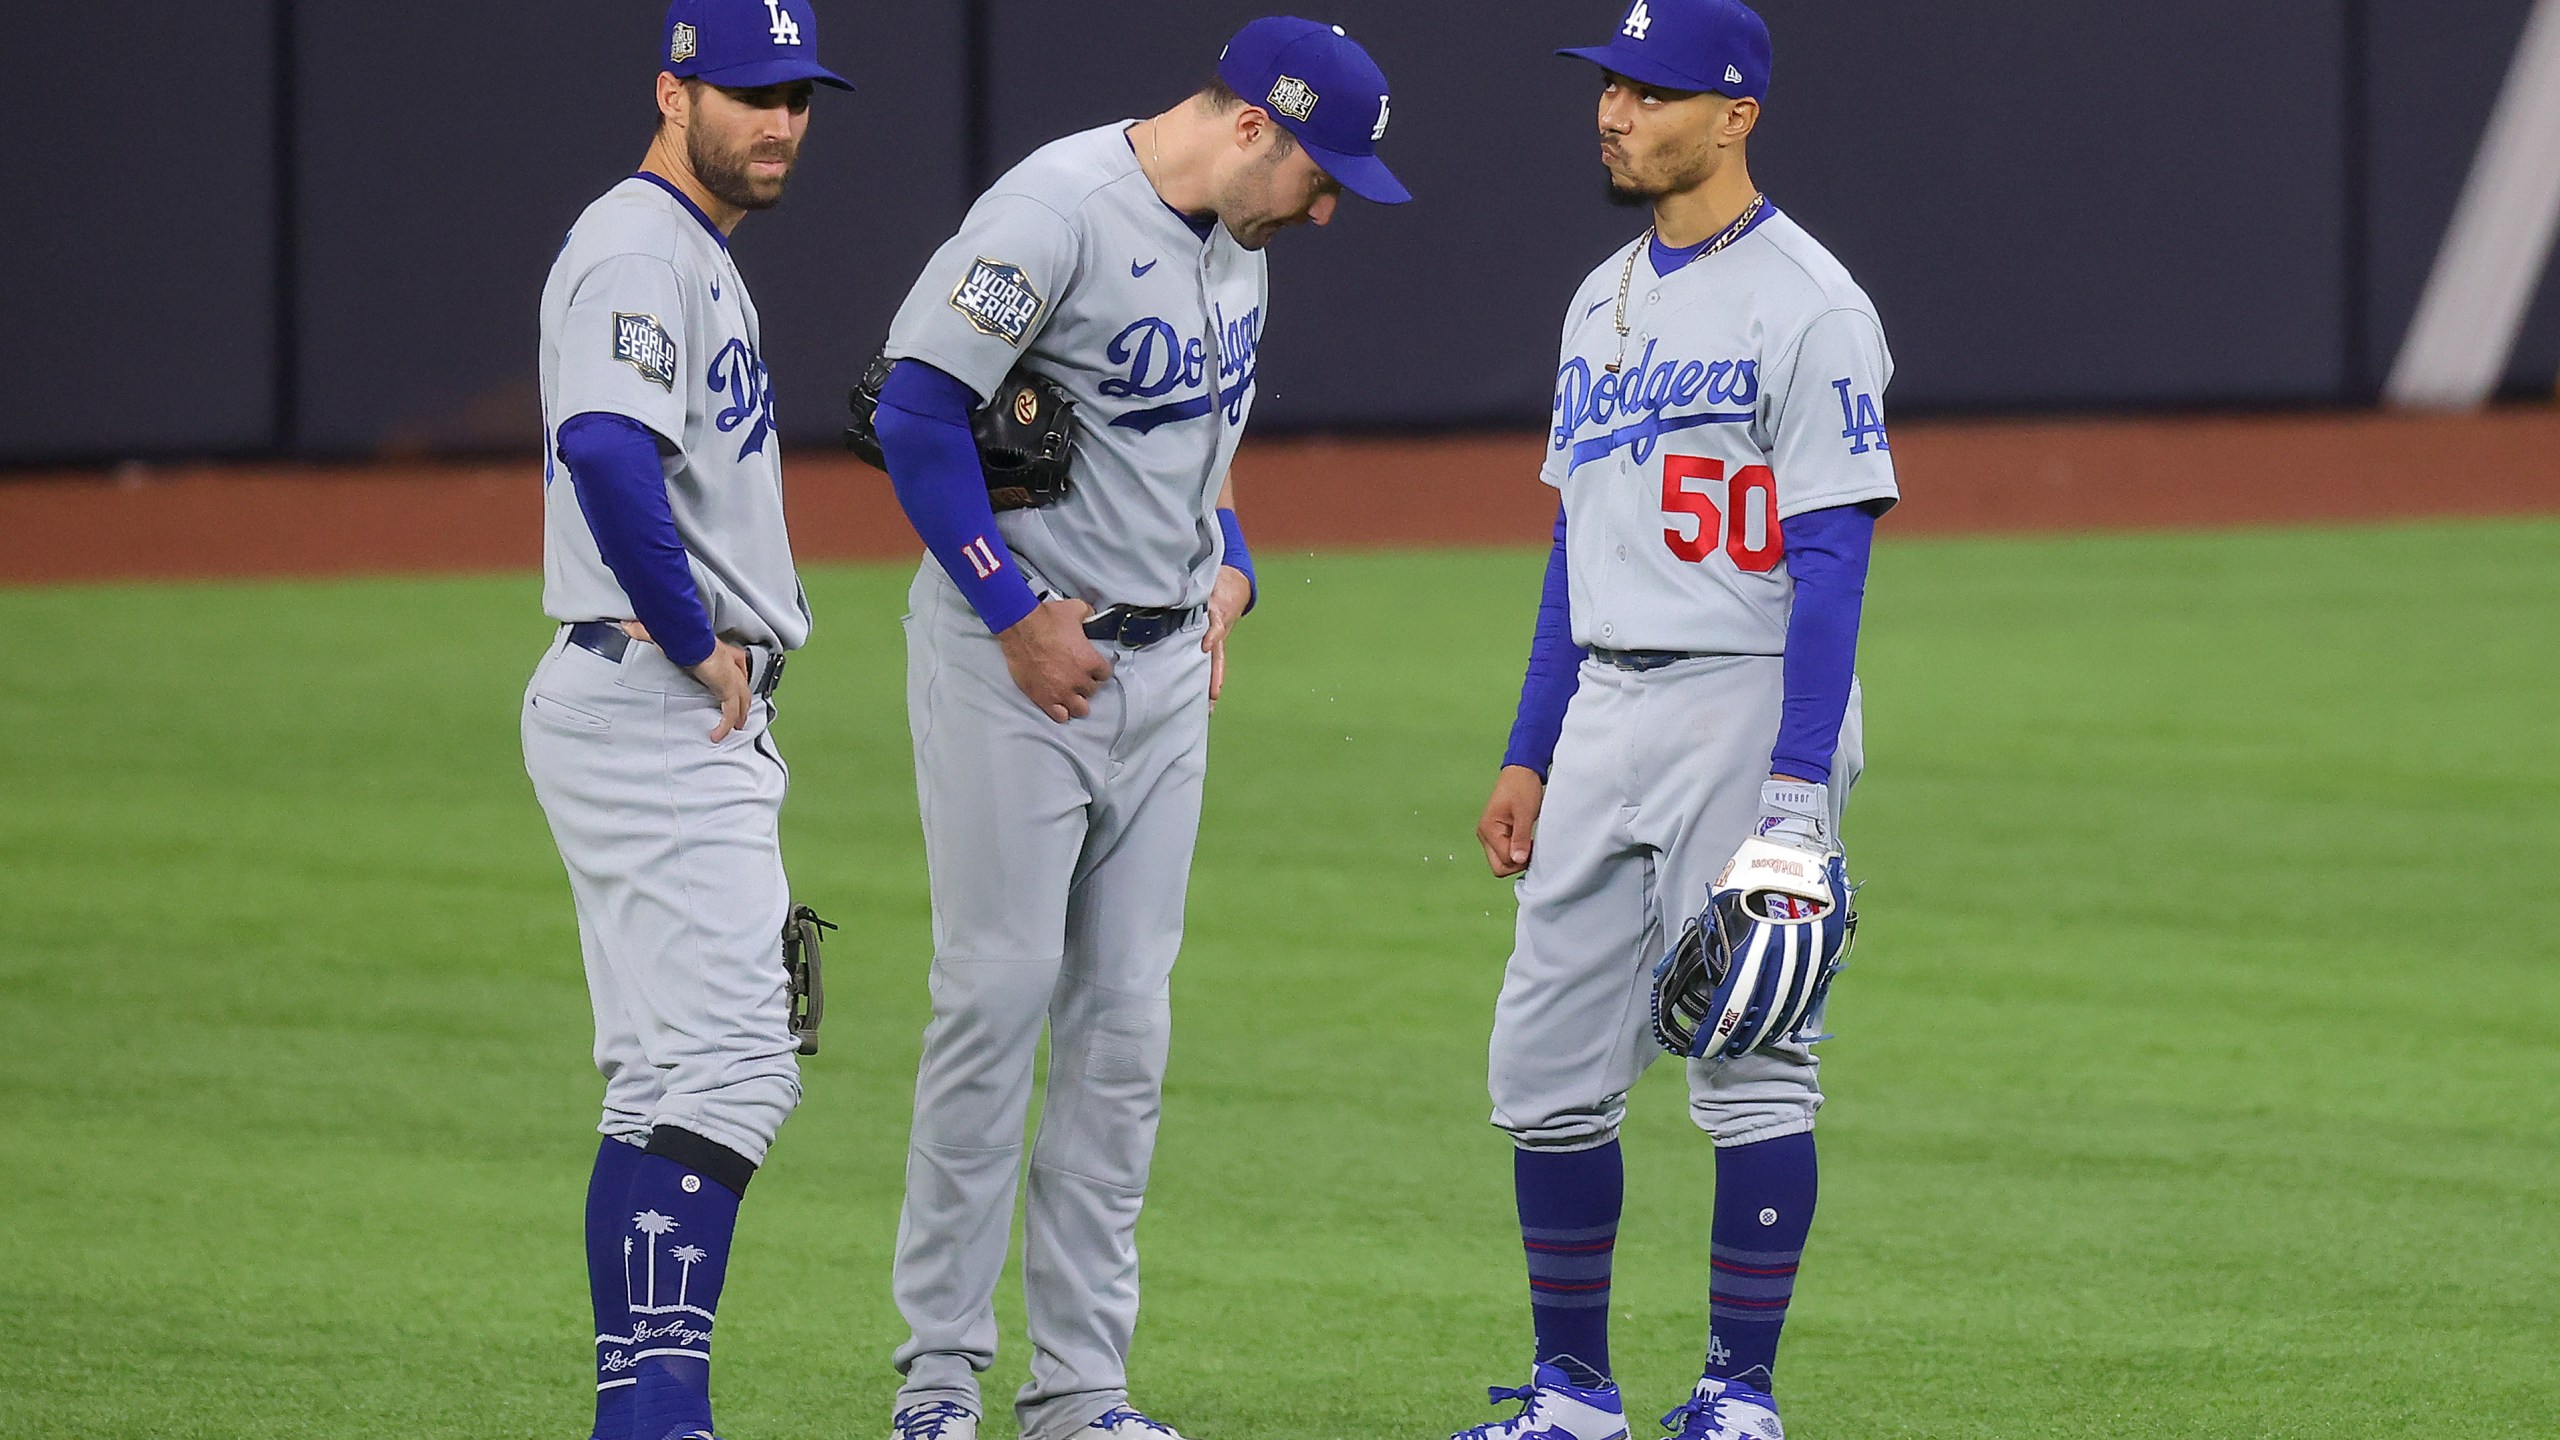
{"x": 653, "y": 1225}
{"x": 626, "y": 1273}
{"x": 688, "y": 1256}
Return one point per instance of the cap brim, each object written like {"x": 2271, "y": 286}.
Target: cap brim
{"x": 1366, "y": 176}
{"x": 1639, "y": 67}
{"x": 761, "y": 73}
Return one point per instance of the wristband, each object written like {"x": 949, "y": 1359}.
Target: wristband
{"x": 1238, "y": 556}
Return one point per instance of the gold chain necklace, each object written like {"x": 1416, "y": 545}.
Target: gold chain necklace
{"x": 1627, "y": 276}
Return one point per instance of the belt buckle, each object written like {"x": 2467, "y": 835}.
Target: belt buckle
{"x": 1106, "y": 624}
{"x": 772, "y": 679}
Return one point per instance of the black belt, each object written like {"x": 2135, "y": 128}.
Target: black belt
{"x": 1137, "y": 627}
{"x": 1641, "y": 660}
{"x": 610, "y": 640}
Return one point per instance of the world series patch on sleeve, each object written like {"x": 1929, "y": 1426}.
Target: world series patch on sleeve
{"x": 998, "y": 300}
{"x": 640, "y": 342}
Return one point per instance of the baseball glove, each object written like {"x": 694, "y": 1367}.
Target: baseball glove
{"x": 800, "y": 935}
{"x": 1754, "y": 967}
{"x": 1026, "y": 436}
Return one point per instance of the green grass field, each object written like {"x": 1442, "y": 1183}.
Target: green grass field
{"x": 2196, "y": 1077}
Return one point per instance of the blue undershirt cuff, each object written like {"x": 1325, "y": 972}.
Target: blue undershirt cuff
{"x": 1238, "y": 557}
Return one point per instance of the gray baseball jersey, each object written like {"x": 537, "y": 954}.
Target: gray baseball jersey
{"x": 1751, "y": 389}
{"x": 1075, "y": 267}
{"x": 646, "y": 316}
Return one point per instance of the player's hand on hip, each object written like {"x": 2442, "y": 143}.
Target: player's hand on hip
{"x": 1227, "y": 600}
{"x": 1509, "y": 829}
{"x": 724, "y": 673}
{"x": 1054, "y": 661}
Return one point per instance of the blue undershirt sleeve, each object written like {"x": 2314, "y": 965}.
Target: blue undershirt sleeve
{"x": 1555, "y": 669}
{"x": 923, "y": 424}
{"x": 1827, "y": 554}
{"x": 1239, "y": 557}
{"x": 613, "y": 467}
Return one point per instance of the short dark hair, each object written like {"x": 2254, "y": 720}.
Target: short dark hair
{"x": 1221, "y": 99}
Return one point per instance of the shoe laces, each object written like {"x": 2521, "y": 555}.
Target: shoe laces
{"x": 1122, "y": 1415}
{"x": 1698, "y": 1415}
{"x": 929, "y": 1420}
{"x": 1527, "y": 1395}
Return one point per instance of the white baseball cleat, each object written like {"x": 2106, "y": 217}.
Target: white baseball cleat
{"x": 934, "y": 1420}
{"x": 1122, "y": 1423}
{"x": 1552, "y": 1409}
{"x": 1726, "y": 1410}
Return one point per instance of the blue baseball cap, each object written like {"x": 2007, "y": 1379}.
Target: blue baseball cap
{"x": 1325, "y": 90}
{"x": 1719, "y": 45}
{"x": 745, "y": 44}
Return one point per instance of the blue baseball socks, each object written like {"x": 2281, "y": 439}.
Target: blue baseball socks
{"x": 1569, "y": 1202}
{"x": 1764, "y": 1209}
{"x": 673, "y": 1230}
{"x": 609, "y": 1284}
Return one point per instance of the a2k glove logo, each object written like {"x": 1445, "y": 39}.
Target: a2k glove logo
{"x": 1863, "y": 421}
{"x": 786, "y": 31}
{"x": 739, "y": 373}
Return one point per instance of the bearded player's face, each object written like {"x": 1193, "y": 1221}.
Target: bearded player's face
{"x": 1277, "y": 186}
{"x": 743, "y": 144}
{"x": 1656, "y": 142}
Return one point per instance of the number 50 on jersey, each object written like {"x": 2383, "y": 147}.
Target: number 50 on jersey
{"x": 1744, "y": 527}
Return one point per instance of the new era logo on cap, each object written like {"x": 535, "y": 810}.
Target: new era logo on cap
{"x": 1733, "y": 74}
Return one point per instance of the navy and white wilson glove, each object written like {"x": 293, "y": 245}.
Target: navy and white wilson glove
{"x": 1754, "y": 966}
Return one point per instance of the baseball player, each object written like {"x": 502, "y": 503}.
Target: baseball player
{"x": 647, "y": 724}
{"x": 1061, "y": 665}
{"x": 1688, "y": 729}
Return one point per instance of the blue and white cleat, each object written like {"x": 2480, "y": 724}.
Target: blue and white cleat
{"x": 1551, "y": 1409}
{"x": 1123, "y": 1423}
{"x": 934, "y": 1420}
{"x": 1726, "y": 1410}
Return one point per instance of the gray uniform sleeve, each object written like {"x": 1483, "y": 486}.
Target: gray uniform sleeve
{"x": 1830, "y": 447}
{"x": 1557, "y": 466}
{"x": 987, "y": 293}
{"x": 620, "y": 345}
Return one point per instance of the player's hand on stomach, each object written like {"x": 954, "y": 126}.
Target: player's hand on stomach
{"x": 1227, "y": 600}
{"x": 1053, "y": 660}
{"x": 723, "y": 672}
{"x": 1509, "y": 829}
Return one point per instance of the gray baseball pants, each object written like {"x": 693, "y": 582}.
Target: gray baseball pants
{"x": 1656, "y": 782}
{"x": 1059, "y": 856}
{"x": 675, "y": 862}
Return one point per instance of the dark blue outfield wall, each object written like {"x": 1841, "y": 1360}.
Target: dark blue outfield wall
{"x": 320, "y": 229}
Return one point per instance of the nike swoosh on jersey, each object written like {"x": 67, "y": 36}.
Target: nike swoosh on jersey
{"x": 1138, "y": 271}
